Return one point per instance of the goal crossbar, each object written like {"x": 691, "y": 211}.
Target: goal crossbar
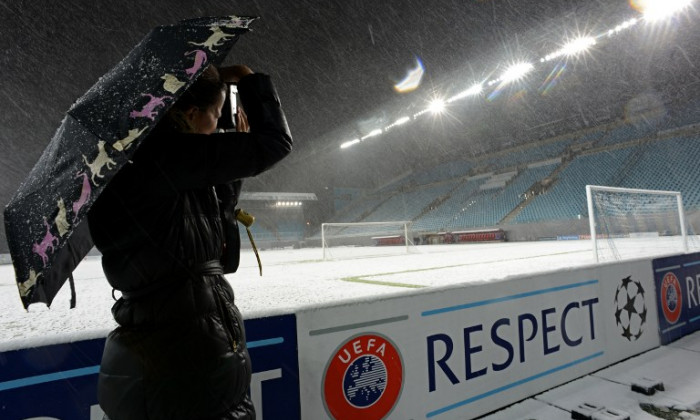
{"x": 404, "y": 223}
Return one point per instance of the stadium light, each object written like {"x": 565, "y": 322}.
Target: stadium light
{"x": 288, "y": 204}
{"x": 516, "y": 71}
{"x": 578, "y": 45}
{"x": 436, "y": 106}
{"x": 571, "y": 48}
{"x": 655, "y": 10}
{"x": 402, "y": 120}
{"x": 624, "y": 25}
{"x": 472, "y": 91}
{"x": 372, "y": 133}
{"x": 349, "y": 143}
{"x": 419, "y": 113}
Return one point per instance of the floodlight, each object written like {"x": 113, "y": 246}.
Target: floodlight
{"x": 655, "y": 10}
{"x": 516, "y": 71}
{"x": 419, "y": 113}
{"x": 437, "y": 106}
{"x": 578, "y": 45}
{"x": 402, "y": 120}
{"x": 372, "y": 133}
{"x": 474, "y": 90}
{"x": 349, "y": 143}
{"x": 624, "y": 25}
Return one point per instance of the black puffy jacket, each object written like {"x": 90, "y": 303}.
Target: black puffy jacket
{"x": 179, "y": 351}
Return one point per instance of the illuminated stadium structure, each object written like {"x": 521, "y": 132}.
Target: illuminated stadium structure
{"x": 533, "y": 186}
{"x": 652, "y": 12}
{"x": 534, "y": 191}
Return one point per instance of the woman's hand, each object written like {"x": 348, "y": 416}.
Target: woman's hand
{"x": 242, "y": 121}
{"x": 233, "y": 74}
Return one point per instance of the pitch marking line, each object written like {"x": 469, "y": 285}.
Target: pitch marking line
{"x": 365, "y": 278}
{"x": 381, "y": 283}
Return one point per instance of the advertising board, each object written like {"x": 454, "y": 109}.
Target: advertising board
{"x": 677, "y": 280}
{"x": 59, "y": 382}
{"x": 461, "y": 352}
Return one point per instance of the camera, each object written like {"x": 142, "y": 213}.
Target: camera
{"x": 229, "y": 112}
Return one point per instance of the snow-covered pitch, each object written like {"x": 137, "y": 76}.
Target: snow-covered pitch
{"x": 298, "y": 278}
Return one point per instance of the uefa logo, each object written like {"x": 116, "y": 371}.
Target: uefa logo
{"x": 671, "y": 298}
{"x": 363, "y": 378}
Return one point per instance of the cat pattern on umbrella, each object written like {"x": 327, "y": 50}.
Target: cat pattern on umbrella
{"x": 96, "y": 167}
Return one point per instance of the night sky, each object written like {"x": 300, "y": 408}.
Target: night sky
{"x": 335, "y": 63}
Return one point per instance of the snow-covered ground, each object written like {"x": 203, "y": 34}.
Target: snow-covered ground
{"x": 675, "y": 366}
{"x": 299, "y": 278}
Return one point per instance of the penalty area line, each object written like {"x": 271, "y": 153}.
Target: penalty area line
{"x": 363, "y": 279}
{"x": 381, "y": 283}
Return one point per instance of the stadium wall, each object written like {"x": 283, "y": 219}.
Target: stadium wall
{"x": 443, "y": 353}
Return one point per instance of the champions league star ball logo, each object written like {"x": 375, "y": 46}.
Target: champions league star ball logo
{"x": 630, "y": 308}
{"x": 363, "y": 379}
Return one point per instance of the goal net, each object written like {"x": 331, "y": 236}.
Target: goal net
{"x": 629, "y": 223}
{"x": 366, "y": 239}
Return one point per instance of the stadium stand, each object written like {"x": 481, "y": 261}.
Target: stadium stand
{"x": 566, "y": 199}
{"x": 442, "y": 172}
{"x": 437, "y": 217}
{"x": 529, "y": 154}
{"x": 489, "y": 206}
{"x": 538, "y": 183}
{"x": 652, "y": 171}
{"x": 625, "y": 133}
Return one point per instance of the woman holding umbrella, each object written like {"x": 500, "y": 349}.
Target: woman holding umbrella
{"x": 164, "y": 226}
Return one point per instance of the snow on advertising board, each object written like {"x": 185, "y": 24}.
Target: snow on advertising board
{"x": 677, "y": 282}
{"x": 59, "y": 382}
{"x": 461, "y": 352}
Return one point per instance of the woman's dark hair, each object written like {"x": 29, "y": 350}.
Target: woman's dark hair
{"x": 204, "y": 91}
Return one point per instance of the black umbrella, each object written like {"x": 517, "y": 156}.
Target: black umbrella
{"x": 44, "y": 219}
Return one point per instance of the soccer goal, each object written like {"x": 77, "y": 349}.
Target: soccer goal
{"x": 628, "y": 223}
{"x": 365, "y": 239}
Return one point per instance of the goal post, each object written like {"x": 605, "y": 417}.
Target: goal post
{"x": 365, "y": 234}
{"x": 618, "y": 214}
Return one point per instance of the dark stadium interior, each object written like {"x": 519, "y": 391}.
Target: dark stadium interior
{"x": 335, "y": 64}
